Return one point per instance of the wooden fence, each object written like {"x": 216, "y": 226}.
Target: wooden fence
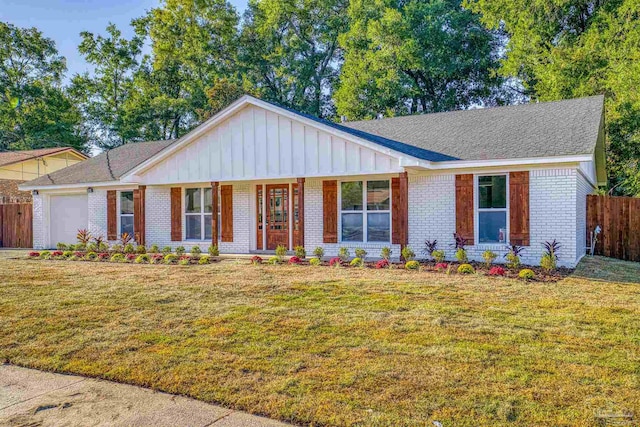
{"x": 619, "y": 218}
{"x": 16, "y": 225}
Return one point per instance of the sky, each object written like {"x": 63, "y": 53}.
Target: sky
{"x": 63, "y": 20}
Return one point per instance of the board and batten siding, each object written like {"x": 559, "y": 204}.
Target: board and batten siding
{"x": 258, "y": 144}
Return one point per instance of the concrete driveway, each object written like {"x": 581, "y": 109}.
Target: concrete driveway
{"x": 33, "y": 398}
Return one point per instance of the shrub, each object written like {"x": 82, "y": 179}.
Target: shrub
{"x": 117, "y": 248}
{"x": 408, "y": 254}
{"x": 67, "y": 254}
{"x": 442, "y": 266}
{"x": 385, "y": 253}
{"x": 125, "y": 239}
{"x": 318, "y": 252}
{"x": 170, "y": 258}
{"x": 204, "y": 259}
{"x": 130, "y": 257}
{"x": 154, "y": 249}
{"x": 281, "y": 251}
{"x": 496, "y": 271}
{"x": 156, "y": 259}
{"x": 98, "y": 240}
{"x": 195, "y": 250}
{"x": 61, "y": 246}
{"x": 295, "y": 260}
{"x": 180, "y": 250}
{"x": 548, "y": 262}
{"x": 360, "y": 253}
{"x": 103, "y": 255}
{"x": 118, "y": 257}
{"x": 183, "y": 262}
{"x": 142, "y": 259}
{"x": 513, "y": 256}
{"x": 34, "y": 254}
{"x": 357, "y": 262}
{"x": 526, "y": 274}
{"x": 256, "y": 260}
{"x": 466, "y": 269}
{"x": 83, "y": 236}
{"x": 91, "y": 256}
{"x": 412, "y": 265}
{"x": 429, "y": 247}
{"x": 141, "y": 249}
{"x": 438, "y": 256}
{"x": 92, "y": 247}
{"x": 129, "y": 249}
{"x": 300, "y": 252}
{"x": 315, "y": 261}
{"x": 274, "y": 260}
{"x": 54, "y": 254}
{"x": 459, "y": 242}
{"x": 166, "y": 250}
{"x": 80, "y": 247}
{"x": 344, "y": 254}
{"x": 461, "y": 255}
{"x": 335, "y": 262}
{"x": 383, "y": 263}
{"x": 74, "y": 258}
{"x": 489, "y": 257}
{"x": 103, "y": 247}
{"x": 213, "y": 250}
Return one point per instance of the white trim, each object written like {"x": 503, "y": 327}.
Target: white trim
{"x": 477, "y": 210}
{"x": 26, "y": 187}
{"x": 364, "y": 212}
{"x": 202, "y": 214}
{"x": 464, "y": 164}
{"x": 120, "y": 214}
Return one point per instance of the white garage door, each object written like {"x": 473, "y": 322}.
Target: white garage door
{"x": 67, "y": 215}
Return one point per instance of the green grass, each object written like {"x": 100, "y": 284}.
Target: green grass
{"x": 328, "y": 346}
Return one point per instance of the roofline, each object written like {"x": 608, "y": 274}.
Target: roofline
{"x": 463, "y": 164}
{"x": 24, "y": 187}
{"x": 238, "y": 105}
{"x": 62, "y": 150}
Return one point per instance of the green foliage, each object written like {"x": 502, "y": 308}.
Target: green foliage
{"x": 129, "y": 249}
{"x": 344, "y": 254}
{"x": 183, "y": 262}
{"x": 67, "y": 254}
{"x": 357, "y": 262}
{"x": 360, "y": 253}
{"x": 315, "y": 261}
{"x": 408, "y": 254}
{"x": 45, "y": 255}
{"x": 116, "y": 248}
{"x": 195, "y": 250}
{"x": 180, "y": 250}
{"x": 142, "y": 259}
{"x": 166, "y": 250}
{"x": 91, "y": 256}
{"x": 61, "y": 246}
{"x": 461, "y": 256}
{"x": 117, "y": 257}
{"x": 204, "y": 259}
{"x": 438, "y": 255}
{"x": 526, "y": 274}
{"x": 170, "y": 258}
{"x": 274, "y": 260}
{"x": 513, "y": 260}
{"x": 281, "y": 251}
{"x": 466, "y": 269}
{"x": 548, "y": 262}
{"x": 385, "y": 253}
{"x": 213, "y": 250}
{"x": 412, "y": 265}
{"x": 154, "y": 249}
{"x": 92, "y": 247}
{"x": 489, "y": 257}
{"x": 318, "y": 252}
{"x": 300, "y": 252}
{"x": 141, "y": 249}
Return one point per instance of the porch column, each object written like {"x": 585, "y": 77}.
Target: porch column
{"x": 404, "y": 208}
{"x": 139, "y": 213}
{"x": 214, "y": 212}
{"x": 300, "y": 239}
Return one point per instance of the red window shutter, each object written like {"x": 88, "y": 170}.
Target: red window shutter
{"x": 176, "y": 214}
{"x": 396, "y": 226}
{"x": 464, "y": 207}
{"x": 139, "y": 215}
{"x": 330, "y": 211}
{"x": 226, "y": 211}
{"x": 112, "y": 216}
{"x": 519, "y": 208}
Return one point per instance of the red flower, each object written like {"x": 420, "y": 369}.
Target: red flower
{"x": 383, "y": 263}
{"x": 157, "y": 257}
{"x": 334, "y": 262}
{"x": 496, "y": 271}
{"x": 441, "y": 266}
{"x": 185, "y": 257}
{"x": 34, "y": 254}
{"x": 256, "y": 260}
{"x": 78, "y": 254}
{"x": 56, "y": 253}
{"x": 131, "y": 257}
{"x": 294, "y": 260}
{"x": 103, "y": 255}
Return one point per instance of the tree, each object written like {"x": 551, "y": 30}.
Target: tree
{"x": 290, "y": 52}
{"x": 104, "y": 94}
{"x": 223, "y": 93}
{"x": 35, "y": 111}
{"x": 567, "y": 49}
{"x": 407, "y": 57}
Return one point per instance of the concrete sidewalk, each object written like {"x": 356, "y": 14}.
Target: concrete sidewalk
{"x": 33, "y": 398}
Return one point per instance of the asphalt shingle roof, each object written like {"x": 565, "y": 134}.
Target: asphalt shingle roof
{"x": 107, "y": 166}
{"x": 545, "y": 129}
{"x": 11, "y": 157}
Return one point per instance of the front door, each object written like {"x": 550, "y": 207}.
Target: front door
{"x": 277, "y": 215}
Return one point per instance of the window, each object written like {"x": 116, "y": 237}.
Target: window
{"x": 492, "y": 209}
{"x": 198, "y": 208}
{"x": 365, "y": 211}
{"x": 126, "y": 212}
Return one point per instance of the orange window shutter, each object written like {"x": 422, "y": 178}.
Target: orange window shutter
{"x": 112, "y": 216}
{"x": 464, "y": 207}
{"x": 330, "y": 211}
{"x": 176, "y": 214}
{"x": 519, "y": 208}
{"x": 226, "y": 212}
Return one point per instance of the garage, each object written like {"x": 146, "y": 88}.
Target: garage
{"x": 67, "y": 214}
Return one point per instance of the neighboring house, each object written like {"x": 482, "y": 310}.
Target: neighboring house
{"x": 257, "y": 175}
{"x": 19, "y": 166}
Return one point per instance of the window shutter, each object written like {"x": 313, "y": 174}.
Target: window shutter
{"x": 139, "y": 214}
{"x": 464, "y": 207}
{"x": 112, "y": 216}
{"x": 519, "y": 208}
{"x": 400, "y": 210}
{"x": 176, "y": 214}
{"x": 226, "y": 200}
{"x": 330, "y": 211}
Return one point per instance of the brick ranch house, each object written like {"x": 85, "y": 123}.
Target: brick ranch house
{"x": 257, "y": 175}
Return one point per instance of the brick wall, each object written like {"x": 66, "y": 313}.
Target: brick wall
{"x": 583, "y": 189}
{"x": 39, "y": 229}
{"x": 97, "y": 206}
{"x": 9, "y": 192}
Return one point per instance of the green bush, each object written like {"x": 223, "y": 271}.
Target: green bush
{"x": 319, "y": 252}
{"x": 385, "y": 253}
{"x": 92, "y": 247}
{"x": 466, "y": 269}
{"x": 408, "y": 254}
{"x": 281, "y": 251}
{"x": 204, "y": 259}
{"x": 274, "y": 260}
{"x": 166, "y": 250}
{"x": 117, "y": 248}
{"x": 154, "y": 249}
{"x": 170, "y": 258}
{"x": 195, "y": 250}
{"x": 548, "y": 262}
{"x": 461, "y": 256}
{"x": 141, "y": 249}
{"x": 526, "y": 274}
{"x": 45, "y": 255}
{"x": 142, "y": 259}
{"x": 300, "y": 252}
{"x": 489, "y": 257}
{"x": 67, "y": 254}
{"x": 129, "y": 249}
{"x": 180, "y": 250}
{"x": 183, "y": 262}
{"x": 117, "y": 257}
{"x": 103, "y": 247}
{"x": 344, "y": 254}
{"x": 213, "y": 250}
{"x": 438, "y": 256}
{"x": 513, "y": 260}
{"x": 360, "y": 253}
{"x": 61, "y": 246}
{"x": 357, "y": 262}
{"x": 91, "y": 256}
{"x": 412, "y": 265}
{"x": 80, "y": 247}
{"x": 315, "y": 261}
{"x": 74, "y": 258}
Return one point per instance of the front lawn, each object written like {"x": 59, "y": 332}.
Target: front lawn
{"x": 330, "y": 346}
